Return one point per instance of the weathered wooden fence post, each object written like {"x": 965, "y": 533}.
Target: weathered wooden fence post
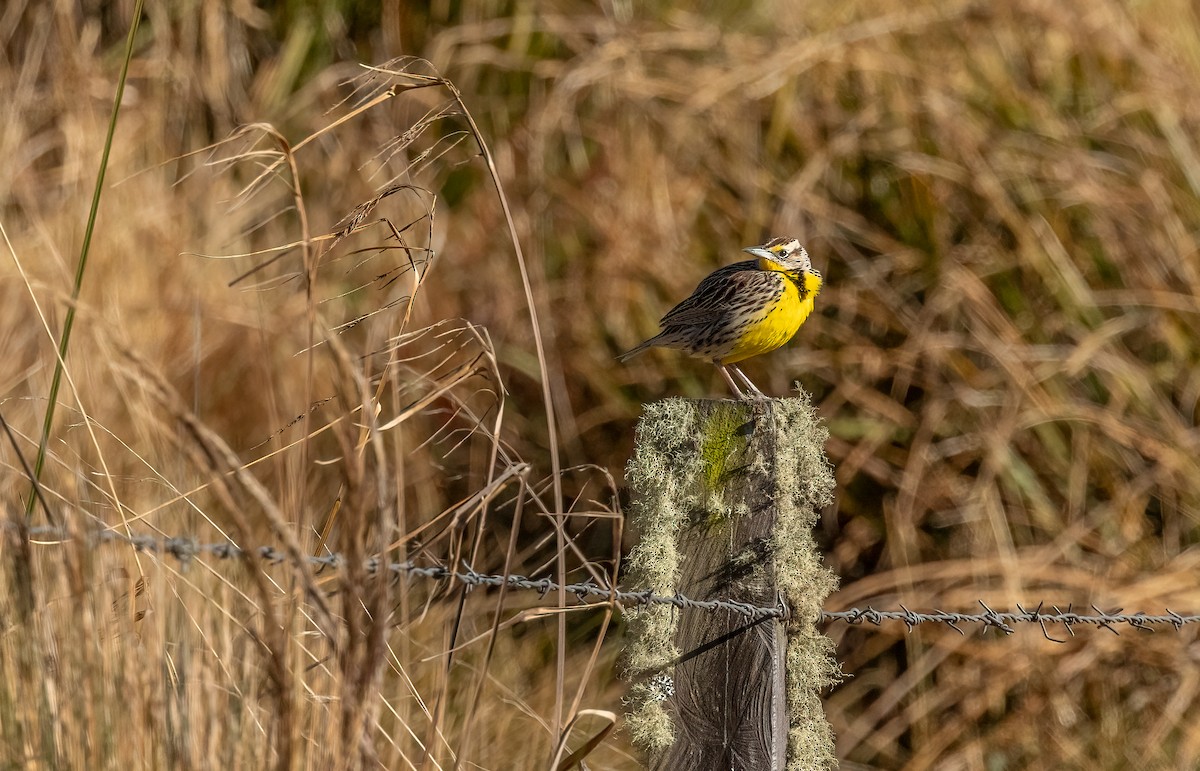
{"x": 725, "y": 495}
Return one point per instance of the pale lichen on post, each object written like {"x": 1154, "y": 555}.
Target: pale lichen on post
{"x": 663, "y": 472}
{"x": 738, "y": 486}
{"x": 805, "y": 481}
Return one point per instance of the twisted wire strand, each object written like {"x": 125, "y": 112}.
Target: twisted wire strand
{"x": 185, "y": 549}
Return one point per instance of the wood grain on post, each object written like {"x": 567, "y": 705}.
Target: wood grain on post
{"x": 725, "y": 495}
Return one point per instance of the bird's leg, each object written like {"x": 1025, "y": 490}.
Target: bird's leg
{"x": 753, "y": 388}
{"x": 728, "y": 379}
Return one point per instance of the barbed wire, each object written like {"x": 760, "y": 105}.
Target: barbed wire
{"x": 1003, "y": 620}
{"x": 185, "y": 549}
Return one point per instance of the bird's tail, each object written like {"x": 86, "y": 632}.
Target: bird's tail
{"x": 636, "y": 350}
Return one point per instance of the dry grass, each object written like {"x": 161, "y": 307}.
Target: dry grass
{"x": 1004, "y": 199}
{"x": 257, "y": 359}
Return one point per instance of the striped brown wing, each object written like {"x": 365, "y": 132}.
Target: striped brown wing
{"x": 715, "y": 299}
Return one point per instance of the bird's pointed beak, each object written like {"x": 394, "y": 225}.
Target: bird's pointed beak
{"x": 758, "y": 251}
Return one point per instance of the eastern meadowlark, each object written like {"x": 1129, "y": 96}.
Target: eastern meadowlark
{"x": 742, "y": 310}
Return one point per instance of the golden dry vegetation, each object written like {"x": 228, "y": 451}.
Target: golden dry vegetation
{"x": 1003, "y": 197}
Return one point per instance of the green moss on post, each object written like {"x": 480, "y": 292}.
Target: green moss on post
{"x": 725, "y": 496}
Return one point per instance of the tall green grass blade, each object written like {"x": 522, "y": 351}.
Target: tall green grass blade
{"x": 65, "y": 338}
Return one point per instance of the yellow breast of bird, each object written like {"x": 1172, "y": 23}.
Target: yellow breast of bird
{"x": 776, "y": 323}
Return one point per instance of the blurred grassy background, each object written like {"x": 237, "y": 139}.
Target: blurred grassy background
{"x": 1002, "y": 197}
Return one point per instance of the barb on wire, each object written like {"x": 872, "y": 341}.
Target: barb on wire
{"x": 185, "y": 549}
